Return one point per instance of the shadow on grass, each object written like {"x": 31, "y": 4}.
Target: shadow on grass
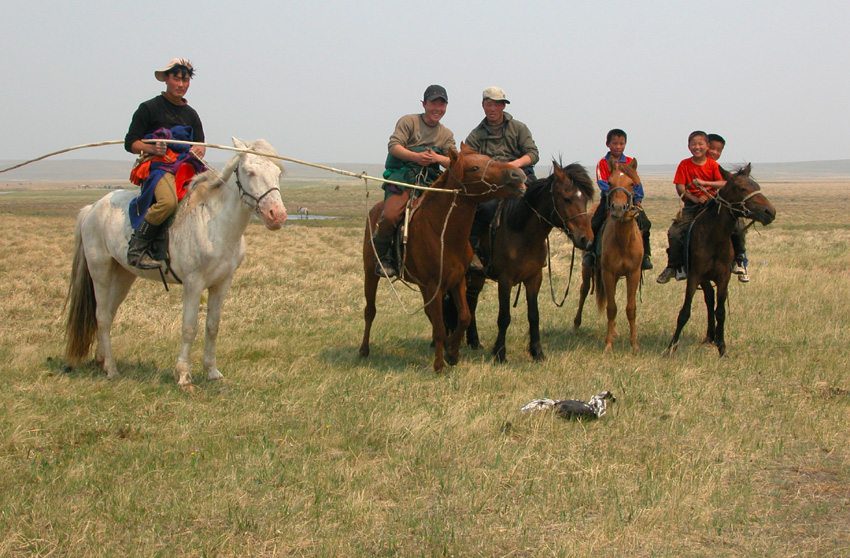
{"x": 139, "y": 371}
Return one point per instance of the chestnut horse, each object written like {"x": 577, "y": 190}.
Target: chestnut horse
{"x": 517, "y": 252}
{"x": 621, "y": 248}
{"x": 710, "y": 254}
{"x": 438, "y": 250}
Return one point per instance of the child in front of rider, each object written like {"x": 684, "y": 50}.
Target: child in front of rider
{"x": 697, "y": 181}
{"x": 615, "y": 141}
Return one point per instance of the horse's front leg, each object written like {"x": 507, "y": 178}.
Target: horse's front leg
{"x": 504, "y": 320}
{"x": 217, "y": 293}
{"x": 532, "y": 292}
{"x": 474, "y": 286}
{"x": 434, "y": 310}
{"x": 684, "y": 316}
{"x": 708, "y": 295}
{"x": 191, "y": 304}
{"x": 464, "y": 317}
{"x": 370, "y": 291}
{"x": 632, "y": 282}
{"x": 586, "y": 280}
{"x": 610, "y": 281}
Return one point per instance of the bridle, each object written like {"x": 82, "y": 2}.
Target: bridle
{"x": 463, "y": 185}
{"x": 630, "y": 205}
{"x": 245, "y": 194}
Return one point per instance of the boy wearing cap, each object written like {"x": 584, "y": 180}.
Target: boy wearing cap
{"x": 164, "y": 112}
{"x": 503, "y": 138}
{"x": 416, "y": 151}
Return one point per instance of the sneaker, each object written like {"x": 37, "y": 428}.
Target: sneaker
{"x": 744, "y": 277}
{"x": 646, "y": 264}
{"x": 681, "y": 274}
{"x": 665, "y": 276}
{"x": 475, "y": 264}
{"x": 738, "y": 268}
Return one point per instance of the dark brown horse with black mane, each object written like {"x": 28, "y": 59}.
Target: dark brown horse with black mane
{"x": 621, "y": 248}
{"x": 438, "y": 250}
{"x": 710, "y": 254}
{"x": 517, "y": 250}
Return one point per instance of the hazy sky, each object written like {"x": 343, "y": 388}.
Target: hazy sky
{"x": 326, "y": 81}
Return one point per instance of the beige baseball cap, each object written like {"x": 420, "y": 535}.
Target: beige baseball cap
{"x": 495, "y": 94}
{"x": 160, "y": 74}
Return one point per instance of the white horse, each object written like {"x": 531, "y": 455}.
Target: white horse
{"x": 206, "y": 245}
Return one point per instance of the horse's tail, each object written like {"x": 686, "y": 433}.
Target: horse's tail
{"x": 81, "y": 323}
{"x": 599, "y": 285}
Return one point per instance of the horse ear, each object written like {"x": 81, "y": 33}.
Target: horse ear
{"x": 727, "y": 176}
{"x": 238, "y": 143}
{"x": 558, "y": 171}
{"x": 633, "y": 163}
{"x": 466, "y": 150}
{"x": 746, "y": 170}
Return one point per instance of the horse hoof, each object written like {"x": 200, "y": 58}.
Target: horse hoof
{"x": 452, "y": 359}
{"x": 475, "y": 345}
{"x": 214, "y": 375}
{"x": 364, "y": 352}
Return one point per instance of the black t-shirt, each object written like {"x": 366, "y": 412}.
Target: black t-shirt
{"x": 159, "y": 112}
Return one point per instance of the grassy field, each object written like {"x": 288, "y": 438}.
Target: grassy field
{"x": 307, "y": 450}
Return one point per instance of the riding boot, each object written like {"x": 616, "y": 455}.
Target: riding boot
{"x": 384, "y": 249}
{"x": 138, "y": 252}
{"x": 647, "y": 253}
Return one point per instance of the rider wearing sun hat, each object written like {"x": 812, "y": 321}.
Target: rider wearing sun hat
{"x": 156, "y": 118}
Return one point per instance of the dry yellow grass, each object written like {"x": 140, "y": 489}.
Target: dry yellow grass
{"x": 304, "y": 449}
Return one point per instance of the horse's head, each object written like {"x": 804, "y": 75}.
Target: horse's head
{"x": 572, "y": 191}
{"x": 745, "y": 197}
{"x": 258, "y": 181}
{"x": 621, "y": 205}
{"x": 482, "y": 176}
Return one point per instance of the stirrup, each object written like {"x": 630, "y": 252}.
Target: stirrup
{"x": 145, "y": 261}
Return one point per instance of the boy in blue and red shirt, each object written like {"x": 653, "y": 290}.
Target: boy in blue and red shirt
{"x": 697, "y": 181}
{"x": 616, "y": 143}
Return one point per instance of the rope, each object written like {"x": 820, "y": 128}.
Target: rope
{"x": 85, "y": 145}
{"x": 361, "y": 175}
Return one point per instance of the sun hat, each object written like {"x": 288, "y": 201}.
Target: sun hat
{"x": 160, "y": 74}
{"x": 495, "y": 94}
{"x": 435, "y": 92}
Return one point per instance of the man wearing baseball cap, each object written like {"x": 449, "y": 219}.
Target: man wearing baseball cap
{"x": 417, "y": 148}
{"x": 503, "y": 138}
{"x": 157, "y": 117}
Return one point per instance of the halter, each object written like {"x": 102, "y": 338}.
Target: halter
{"x": 490, "y": 187}
{"x": 244, "y": 194}
{"x": 738, "y": 208}
{"x": 630, "y": 206}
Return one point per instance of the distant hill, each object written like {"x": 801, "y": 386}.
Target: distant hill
{"x": 103, "y": 170}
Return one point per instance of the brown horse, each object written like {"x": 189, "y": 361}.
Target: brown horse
{"x": 621, "y": 254}
{"x": 517, "y": 252}
{"x": 710, "y": 254}
{"x": 438, "y": 250}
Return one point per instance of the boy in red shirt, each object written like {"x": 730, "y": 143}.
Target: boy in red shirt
{"x": 615, "y": 141}
{"x": 697, "y": 181}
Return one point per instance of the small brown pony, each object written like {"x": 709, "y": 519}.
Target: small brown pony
{"x": 621, "y": 254}
{"x": 710, "y": 254}
{"x": 438, "y": 250}
{"x": 518, "y": 250}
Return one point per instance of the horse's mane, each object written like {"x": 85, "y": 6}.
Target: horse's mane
{"x": 517, "y": 210}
